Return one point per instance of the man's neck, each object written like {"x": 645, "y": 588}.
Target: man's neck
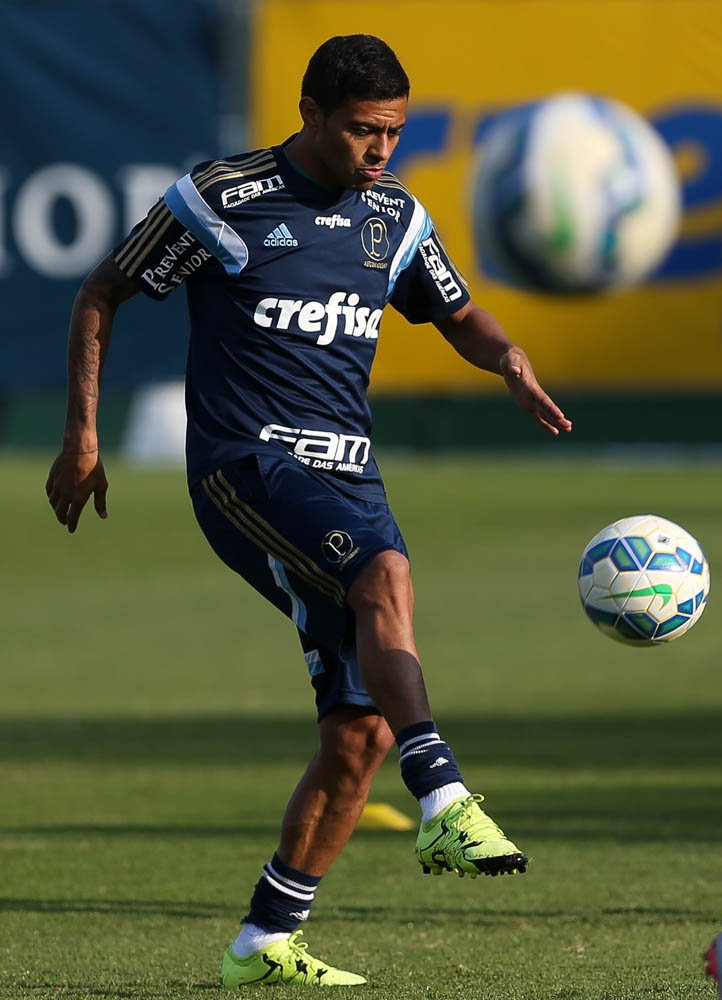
{"x": 300, "y": 155}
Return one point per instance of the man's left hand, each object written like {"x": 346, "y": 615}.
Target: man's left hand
{"x": 522, "y": 384}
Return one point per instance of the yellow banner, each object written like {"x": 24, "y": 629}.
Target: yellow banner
{"x": 469, "y": 60}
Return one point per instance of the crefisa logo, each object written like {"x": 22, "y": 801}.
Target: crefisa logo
{"x": 332, "y": 221}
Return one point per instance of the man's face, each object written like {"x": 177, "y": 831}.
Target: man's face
{"x": 353, "y": 145}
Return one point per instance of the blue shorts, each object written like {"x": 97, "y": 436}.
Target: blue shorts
{"x": 300, "y": 542}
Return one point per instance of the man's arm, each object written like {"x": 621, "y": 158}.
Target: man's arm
{"x": 479, "y": 339}
{"x": 77, "y": 472}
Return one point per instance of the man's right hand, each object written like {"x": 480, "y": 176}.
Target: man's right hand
{"x": 73, "y": 478}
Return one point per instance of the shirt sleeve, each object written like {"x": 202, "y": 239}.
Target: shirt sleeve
{"x": 430, "y": 288}
{"x": 160, "y": 252}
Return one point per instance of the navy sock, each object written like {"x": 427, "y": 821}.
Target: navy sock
{"x": 282, "y": 897}
{"x": 427, "y": 762}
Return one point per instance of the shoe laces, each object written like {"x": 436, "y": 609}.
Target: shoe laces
{"x": 478, "y": 818}
{"x": 300, "y": 949}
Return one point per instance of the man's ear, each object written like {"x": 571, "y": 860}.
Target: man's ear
{"x": 311, "y": 114}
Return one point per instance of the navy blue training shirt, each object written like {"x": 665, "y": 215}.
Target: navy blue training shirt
{"x": 286, "y": 284}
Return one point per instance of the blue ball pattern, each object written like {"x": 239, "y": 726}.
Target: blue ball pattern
{"x": 630, "y": 554}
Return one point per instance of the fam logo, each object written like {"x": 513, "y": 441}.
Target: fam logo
{"x": 375, "y": 241}
{"x": 444, "y": 280}
{"x": 234, "y": 196}
{"x": 338, "y": 547}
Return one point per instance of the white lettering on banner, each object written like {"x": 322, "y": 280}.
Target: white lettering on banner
{"x": 383, "y": 199}
{"x": 35, "y": 235}
{"x": 94, "y": 203}
{"x": 174, "y": 251}
{"x": 154, "y": 275}
{"x": 158, "y": 286}
{"x": 322, "y": 318}
{"x": 443, "y": 278}
{"x": 192, "y": 264}
{"x": 322, "y": 449}
{"x": 381, "y": 202}
{"x": 234, "y": 196}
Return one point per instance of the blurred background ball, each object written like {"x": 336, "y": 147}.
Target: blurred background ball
{"x": 643, "y": 580}
{"x": 574, "y": 194}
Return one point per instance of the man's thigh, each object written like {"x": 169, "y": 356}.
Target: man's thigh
{"x": 298, "y": 542}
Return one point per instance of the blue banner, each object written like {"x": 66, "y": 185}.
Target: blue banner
{"x": 104, "y": 105}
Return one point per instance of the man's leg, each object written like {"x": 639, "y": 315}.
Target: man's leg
{"x": 325, "y": 807}
{"x": 382, "y": 599}
{"x": 319, "y": 819}
{"x": 456, "y": 835}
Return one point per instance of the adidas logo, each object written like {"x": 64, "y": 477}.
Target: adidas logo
{"x": 439, "y": 762}
{"x": 301, "y": 914}
{"x": 280, "y": 237}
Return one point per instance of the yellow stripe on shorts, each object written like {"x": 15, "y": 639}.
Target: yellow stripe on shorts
{"x": 261, "y": 533}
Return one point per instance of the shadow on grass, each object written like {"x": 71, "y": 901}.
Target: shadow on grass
{"x": 668, "y": 790}
{"x": 601, "y": 743}
{"x": 128, "y": 907}
{"x": 75, "y": 991}
{"x": 613, "y": 816}
{"x": 436, "y": 915}
{"x": 480, "y": 914}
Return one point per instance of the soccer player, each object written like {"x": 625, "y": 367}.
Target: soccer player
{"x": 289, "y": 256}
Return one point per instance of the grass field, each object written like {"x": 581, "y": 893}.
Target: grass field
{"x": 156, "y": 715}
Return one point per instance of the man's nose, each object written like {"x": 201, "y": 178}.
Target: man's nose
{"x": 380, "y": 148}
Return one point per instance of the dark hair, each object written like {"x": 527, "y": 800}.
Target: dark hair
{"x": 353, "y": 67}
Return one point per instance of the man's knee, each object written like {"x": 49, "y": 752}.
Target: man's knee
{"x": 355, "y": 741}
{"x": 385, "y": 582}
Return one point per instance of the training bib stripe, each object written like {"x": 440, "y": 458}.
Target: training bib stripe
{"x": 231, "y": 175}
{"x": 186, "y": 204}
{"x": 219, "y": 166}
{"x": 419, "y": 229}
{"x": 234, "y": 513}
{"x": 298, "y": 555}
{"x": 263, "y": 169}
{"x": 158, "y": 221}
{"x": 139, "y": 258}
{"x": 299, "y": 613}
{"x": 393, "y": 185}
{"x": 156, "y": 212}
{"x": 314, "y": 662}
{"x": 389, "y": 180}
{"x": 233, "y": 170}
{"x": 258, "y": 531}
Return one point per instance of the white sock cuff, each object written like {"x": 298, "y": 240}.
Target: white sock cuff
{"x": 433, "y": 803}
{"x": 407, "y": 745}
{"x": 253, "y": 939}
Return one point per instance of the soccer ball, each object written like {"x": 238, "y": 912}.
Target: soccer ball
{"x": 574, "y": 194}
{"x": 643, "y": 580}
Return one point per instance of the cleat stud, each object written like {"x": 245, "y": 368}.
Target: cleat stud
{"x": 425, "y": 869}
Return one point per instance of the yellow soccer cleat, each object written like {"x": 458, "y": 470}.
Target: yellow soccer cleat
{"x": 286, "y": 962}
{"x": 463, "y": 839}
